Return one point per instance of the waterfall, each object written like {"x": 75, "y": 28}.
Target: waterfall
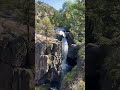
{"x": 64, "y": 49}
{"x": 64, "y": 56}
{"x": 60, "y": 33}
{"x": 65, "y": 66}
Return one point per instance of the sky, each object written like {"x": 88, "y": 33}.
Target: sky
{"x": 57, "y": 4}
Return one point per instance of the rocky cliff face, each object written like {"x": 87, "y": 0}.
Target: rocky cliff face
{"x": 15, "y": 72}
{"x": 47, "y": 58}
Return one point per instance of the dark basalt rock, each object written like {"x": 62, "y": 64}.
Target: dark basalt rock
{"x": 70, "y": 38}
{"x": 40, "y": 66}
{"x": 73, "y": 55}
{"x": 14, "y": 72}
{"x": 93, "y": 62}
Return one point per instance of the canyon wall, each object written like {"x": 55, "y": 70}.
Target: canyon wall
{"x": 16, "y": 70}
{"x": 47, "y": 57}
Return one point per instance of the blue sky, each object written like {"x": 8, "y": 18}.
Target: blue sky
{"x": 57, "y": 4}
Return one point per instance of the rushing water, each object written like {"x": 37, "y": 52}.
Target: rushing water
{"x": 65, "y": 66}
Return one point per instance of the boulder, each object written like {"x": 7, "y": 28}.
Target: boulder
{"x": 72, "y": 54}
{"x": 93, "y": 62}
{"x": 70, "y": 38}
{"x": 93, "y": 55}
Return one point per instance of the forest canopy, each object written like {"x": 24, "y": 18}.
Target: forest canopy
{"x": 71, "y": 16}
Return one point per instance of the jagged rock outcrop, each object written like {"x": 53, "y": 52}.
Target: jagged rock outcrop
{"x": 15, "y": 72}
{"x": 46, "y": 57}
{"x": 69, "y": 37}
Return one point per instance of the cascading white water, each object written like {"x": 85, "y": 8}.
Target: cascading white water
{"x": 64, "y": 50}
{"x": 64, "y": 56}
{"x": 64, "y": 65}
